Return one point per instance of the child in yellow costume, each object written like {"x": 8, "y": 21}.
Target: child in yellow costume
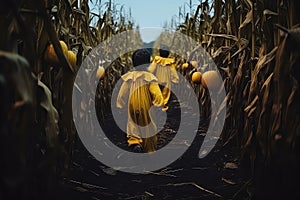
{"x": 139, "y": 92}
{"x": 164, "y": 69}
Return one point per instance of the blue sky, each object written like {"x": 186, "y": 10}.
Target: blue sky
{"x": 152, "y": 13}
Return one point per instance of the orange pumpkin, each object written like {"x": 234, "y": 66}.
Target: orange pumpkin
{"x": 71, "y": 58}
{"x": 196, "y": 77}
{"x": 50, "y": 55}
{"x": 184, "y": 66}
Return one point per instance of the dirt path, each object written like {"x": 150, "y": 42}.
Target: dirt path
{"x": 187, "y": 178}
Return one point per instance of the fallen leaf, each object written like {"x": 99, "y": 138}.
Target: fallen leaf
{"x": 228, "y": 181}
{"x": 230, "y": 165}
{"x": 109, "y": 171}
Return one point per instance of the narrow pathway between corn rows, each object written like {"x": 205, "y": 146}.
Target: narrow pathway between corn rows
{"x": 213, "y": 177}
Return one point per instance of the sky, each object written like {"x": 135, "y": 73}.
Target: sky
{"x": 152, "y": 14}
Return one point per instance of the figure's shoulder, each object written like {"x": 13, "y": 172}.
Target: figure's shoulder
{"x": 146, "y": 76}
{"x": 128, "y": 76}
{"x": 149, "y": 77}
{"x": 157, "y": 59}
{"x": 169, "y": 61}
{"x": 135, "y": 75}
{"x": 163, "y": 61}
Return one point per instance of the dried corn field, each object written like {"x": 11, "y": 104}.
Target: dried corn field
{"x": 255, "y": 45}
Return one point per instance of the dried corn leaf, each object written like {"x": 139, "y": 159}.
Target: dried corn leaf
{"x": 251, "y": 105}
{"x": 230, "y": 182}
{"x": 51, "y": 128}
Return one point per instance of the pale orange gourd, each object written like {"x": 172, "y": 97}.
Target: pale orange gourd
{"x": 100, "y": 72}
{"x": 184, "y": 66}
{"x": 211, "y": 79}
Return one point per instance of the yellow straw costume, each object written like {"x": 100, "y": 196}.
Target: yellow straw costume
{"x": 165, "y": 71}
{"x": 139, "y": 92}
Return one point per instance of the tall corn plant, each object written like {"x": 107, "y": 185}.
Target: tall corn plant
{"x": 253, "y": 43}
{"x": 36, "y": 116}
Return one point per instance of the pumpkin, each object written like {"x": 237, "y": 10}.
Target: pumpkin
{"x": 212, "y": 79}
{"x": 196, "y": 77}
{"x": 184, "y": 66}
{"x": 100, "y": 72}
{"x": 194, "y": 63}
{"x": 71, "y": 58}
{"x": 50, "y": 55}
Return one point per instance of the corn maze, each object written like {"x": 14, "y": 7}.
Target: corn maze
{"x": 255, "y": 46}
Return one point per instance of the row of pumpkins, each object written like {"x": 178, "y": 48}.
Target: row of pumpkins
{"x": 210, "y": 78}
{"x": 51, "y": 57}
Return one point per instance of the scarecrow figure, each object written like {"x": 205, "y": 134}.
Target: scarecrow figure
{"x": 139, "y": 92}
{"x": 164, "y": 69}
